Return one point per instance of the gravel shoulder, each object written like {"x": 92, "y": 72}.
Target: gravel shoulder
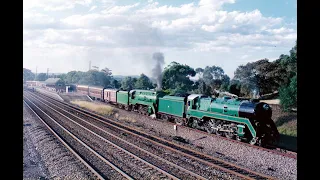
{"x": 44, "y": 157}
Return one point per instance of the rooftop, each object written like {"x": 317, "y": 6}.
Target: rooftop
{"x": 51, "y": 81}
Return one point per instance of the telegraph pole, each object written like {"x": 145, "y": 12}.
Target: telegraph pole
{"x": 47, "y": 72}
{"x": 89, "y": 65}
{"x": 36, "y": 73}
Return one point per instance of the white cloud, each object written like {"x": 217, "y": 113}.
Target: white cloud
{"x": 280, "y": 30}
{"x": 92, "y": 8}
{"x": 153, "y": 10}
{"x": 213, "y": 28}
{"x": 119, "y": 9}
{"x": 54, "y": 5}
{"x": 130, "y": 32}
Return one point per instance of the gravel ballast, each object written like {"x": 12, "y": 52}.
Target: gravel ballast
{"x": 44, "y": 156}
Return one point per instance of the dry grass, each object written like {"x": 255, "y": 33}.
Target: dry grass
{"x": 99, "y": 108}
{"x": 286, "y": 122}
{"x": 125, "y": 118}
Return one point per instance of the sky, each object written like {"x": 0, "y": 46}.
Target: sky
{"x": 122, "y": 35}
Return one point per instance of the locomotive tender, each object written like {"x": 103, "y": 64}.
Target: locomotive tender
{"x": 243, "y": 120}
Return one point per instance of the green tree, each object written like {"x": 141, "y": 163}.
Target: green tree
{"x": 128, "y": 83}
{"x": 62, "y": 77}
{"x": 96, "y": 78}
{"x": 234, "y": 87}
{"x": 288, "y": 95}
{"x": 115, "y": 84}
{"x": 214, "y": 78}
{"x": 143, "y": 82}
{"x": 107, "y": 71}
{"x": 200, "y": 72}
{"x": 28, "y": 75}
{"x": 41, "y": 77}
{"x": 72, "y": 77}
{"x": 256, "y": 76}
{"x": 202, "y": 88}
{"x": 176, "y": 77}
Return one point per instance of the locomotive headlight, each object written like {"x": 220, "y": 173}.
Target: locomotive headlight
{"x": 266, "y": 107}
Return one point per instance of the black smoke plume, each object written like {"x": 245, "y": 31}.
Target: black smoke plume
{"x": 157, "y": 70}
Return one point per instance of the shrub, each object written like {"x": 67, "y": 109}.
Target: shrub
{"x": 288, "y": 95}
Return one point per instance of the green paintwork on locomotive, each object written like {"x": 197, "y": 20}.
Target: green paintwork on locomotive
{"x": 172, "y": 105}
{"x": 218, "y": 108}
{"x": 123, "y": 97}
{"x": 224, "y": 106}
{"x": 145, "y": 97}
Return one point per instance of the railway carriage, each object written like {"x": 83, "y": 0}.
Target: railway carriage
{"x": 96, "y": 92}
{"x": 31, "y": 83}
{"x": 110, "y": 95}
{"x": 82, "y": 89}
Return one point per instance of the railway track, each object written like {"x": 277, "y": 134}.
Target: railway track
{"x": 151, "y": 170}
{"x": 91, "y": 169}
{"x": 161, "y": 143}
{"x": 272, "y": 149}
{"x": 125, "y": 153}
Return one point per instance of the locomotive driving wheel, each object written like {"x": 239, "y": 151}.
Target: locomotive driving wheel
{"x": 218, "y": 132}
{"x": 193, "y": 123}
{"x": 164, "y": 117}
{"x": 229, "y": 135}
{"x": 140, "y": 109}
{"x": 210, "y": 126}
{"x": 253, "y": 141}
{"x": 179, "y": 121}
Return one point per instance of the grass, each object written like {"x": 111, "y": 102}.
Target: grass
{"x": 287, "y": 125}
{"x": 286, "y": 122}
{"x": 102, "y": 109}
{"x": 99, "y": 108}
{"x": 288, "y": 130}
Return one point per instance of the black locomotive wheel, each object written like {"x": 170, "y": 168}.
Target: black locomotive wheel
{"x": 165, "y": 117}
{"x": 210, "y": 127}
{"x": 253, "y": 141}
{"x": 229, "y": 135}
{"x": 179, "y": 121}
{"x": 219, "y": 133}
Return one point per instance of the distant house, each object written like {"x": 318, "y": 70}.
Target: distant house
{"x": 55, "y": 84}
{"x": 72, "y": 87}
